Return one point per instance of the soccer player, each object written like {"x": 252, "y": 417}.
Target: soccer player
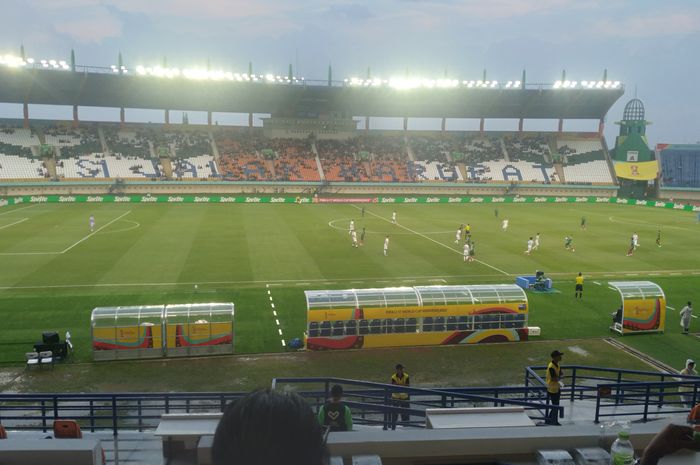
{"x": 92, "y": 223}
{"x": 362, "y": 236}
{"x": 363, "y": 211}
{"x": 472, "y": 251}
{"x": 386, "y": 246}
{"x": 530, "y": 243}
{"x": 658, "y": 238}
{"x": 495, "y": 212}
{"x": 537, "y": 242}
{"x": 583, "y": 222}
{"x": 352, "y": 227}
{"x": 354, "y": 238}
{"x": 635, "y": 240}
{"x": 504, "y": 225}
{"x": 466, "y": 252}
{"x": 458, "y": 234}
{"x": 393, "y": 217}
{"x": 630, "y": 252}
{"x": 568, "y": 243}
{"x": 579, "y": 287}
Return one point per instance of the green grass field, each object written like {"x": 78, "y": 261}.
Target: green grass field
{"x": 54, "y": 271}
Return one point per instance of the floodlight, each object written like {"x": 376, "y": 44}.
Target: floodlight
{"x": 30, "y": 61}
{"x": 608, "y": 84}
{"x": 517, "y": 84}
{"x": 140, "y": 70}
{"x": 557, "y": 84}
{"x": 600, "y": 84}
{"x": 494, "y": 84}
{"x": 61, "y": 62}
{"x": 616, "y": 84}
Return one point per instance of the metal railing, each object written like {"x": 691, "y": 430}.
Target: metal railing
{"x": 97, "y": 412}
{"x": 372, "y": 403}
{"x": 635, "y": 390}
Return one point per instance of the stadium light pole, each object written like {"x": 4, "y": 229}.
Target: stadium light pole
{"x": 330, "y": 75}
{"x": 560, "y": 127}
{"x": 250, "y": 115}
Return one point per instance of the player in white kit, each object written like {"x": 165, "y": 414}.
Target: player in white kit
{"x": 393, "y": 217}
{"x": 352, "y": 227}
{"x": 537, "y": 242}
{"x": 458, "y": 235}
{"x": 92, "y": 223}
{"x": 530, "y": 243}
{"x": 386, "y": 246}
{"x": 466, "y": 252}
{"x": 354, "y": 238}
{"x": 635, "y": 240}
{"x": 504, "y": 225}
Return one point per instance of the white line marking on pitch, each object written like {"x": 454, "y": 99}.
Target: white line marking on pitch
{"x": 283, "y": 344}
{"x": 596, "y": 282}
{"x": 274, "y": 313}
{"x": 278, "y": 322}
{"x": 12, "y": 224}
{"x": 433, "y": 240}
{"x": 18, "y": 209}
{"x": 94, "y": 232}
{"x": 273, "y": 305}
{"x": 668, "y": 306}
{"x": 270, "y": 298}
{"x": 280, "y": 331}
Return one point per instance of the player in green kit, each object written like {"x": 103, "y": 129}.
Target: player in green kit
{"x": 569, "y": 243}
{"x": 658, "y": 238}
{"x": 583, "y": 222}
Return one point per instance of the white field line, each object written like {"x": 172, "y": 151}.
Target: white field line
{"x": 274, "y": 313}
{"x": 18, "y": 209}
{"x": 94, "y": 232}
{"x": 272, "y": 283}
{"x": 672, "y": 308}
{"x": 596, "y": 282}
{"x": 12, "y": 224}
{"x": 433, "y": 240}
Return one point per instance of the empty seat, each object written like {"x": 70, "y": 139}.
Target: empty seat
{"x": 463, "y": 323}
{"x": 427, "y": 324}
{"x": 451, "y": 323}
{"x": 338, "y": 328}
{"x": 66, "y": 429}
{"x": 32, "y": 359}
{"x": 46, "y": 358}
{"x": 364, "y": 327}
{"x": 399, "y": 325}
{"x": 313, "y": 329}
{"x": 325, "y": 328}
{"x": 375, "y": 327}
{"x": 351, "y": 327}
{"x": 388, "y": 325}
{"x": 439, "y": 324}
{"x": 411, "y": 325}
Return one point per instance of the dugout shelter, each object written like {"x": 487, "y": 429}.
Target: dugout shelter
{"x": 643, "y": 307}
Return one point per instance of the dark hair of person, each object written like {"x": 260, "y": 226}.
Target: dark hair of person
{"x": 337, "y": 391}
{"x": 269, "y": 428}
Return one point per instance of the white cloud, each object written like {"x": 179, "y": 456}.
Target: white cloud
{"x": 93, "y": 25}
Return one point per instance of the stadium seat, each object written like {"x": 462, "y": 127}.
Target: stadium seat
{"x": 66, "y": 429}
{"x": 313, "y": 329}
{"x": 428, "y": 324}
{"x": 325, "y": 328}
{"x": 338, "y": 328}
{"x": 463, "y": 323}
{"x": 375, "y": 327}
{"x": 439, "y": 324}
{"x": 399, "y": 325}
{"x": 451, "y": 323}
{"x": 411, "y": 325}
{"x": 387, "y": 325}
{"x": 46, "y": 358}
{"x": 351, "y": 327}
{"x": 364, "y": 327}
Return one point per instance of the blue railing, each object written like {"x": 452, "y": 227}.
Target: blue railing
{"x": 371, "y": 403}
{"x": 96, "y": 412}
{"x": 635, "y": 390}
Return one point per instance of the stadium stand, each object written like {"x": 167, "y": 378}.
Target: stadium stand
{"x": 128, "y": 143}
{"x": 16, "y": 158}
{"x": 435, "y": 159}
{"x": 293, "y": 160}
{"x": 680, "y": 166}
{"x": 584, "y": 161}
{"x": 101, "y": 166}
{"x": 339, "y": 159}
{"x": 532, "y": 149}
{"x": 241, "y": 156}
{"x": 73, "y": 143}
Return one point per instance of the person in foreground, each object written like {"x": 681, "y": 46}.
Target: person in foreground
{"x": 269, "y": 428}
{"x": 669, "y": 440}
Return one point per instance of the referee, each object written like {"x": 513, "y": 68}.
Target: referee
{"x": 579, "y": 286}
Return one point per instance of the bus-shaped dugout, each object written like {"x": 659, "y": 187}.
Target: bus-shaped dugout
{"x": 153, "y": 331}
{"x": 643, "y": 308}
{"x": 415, "y": 316}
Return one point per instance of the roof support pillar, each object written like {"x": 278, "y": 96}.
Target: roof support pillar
{"x": 122, "y": 116}
{"x": 250, "y": 120}
{"x": 366, "y": 123}
{"x": 601, "y": 127}
{"x": 561, "y": 125}
{"x": 520, "y": 125}
{"x": 167, "y": 116}
{"x": 442, "y": 126}
{"x": 25, "y": 108}
{"x": 481, "y": 126}
{"x": 405, "y": 123}
{"x": 209, "y": 117}
{"x": 75, "y": 116}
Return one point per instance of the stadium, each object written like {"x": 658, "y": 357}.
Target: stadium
{"x": 153, "y": 272}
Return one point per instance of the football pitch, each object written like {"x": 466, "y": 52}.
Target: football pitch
{"x": 55, "y": 270}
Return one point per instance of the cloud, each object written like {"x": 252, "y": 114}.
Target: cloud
{"x": 94, "y": 25}
{"x": 672, "y": 24}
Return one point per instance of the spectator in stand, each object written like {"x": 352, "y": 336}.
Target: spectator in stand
{"x": 400, "y": 399}
{"x": 686, "y": 391}
{"x": 554, "y": 385}
{"x": 334, "y": 413}
{"x": 269, "y": 428}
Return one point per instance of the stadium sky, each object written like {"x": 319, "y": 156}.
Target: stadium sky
{"x": 646, "y": 44}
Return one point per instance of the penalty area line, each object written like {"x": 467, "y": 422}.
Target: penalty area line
{"x": 432, "y": 240}
{"x": 12, "y": 224}
{"x": 94, "y": 232}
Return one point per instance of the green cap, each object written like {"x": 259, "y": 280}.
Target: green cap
{"x": 623, "y": 435}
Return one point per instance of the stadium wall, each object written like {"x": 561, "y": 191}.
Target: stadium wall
{"x": 340, "y": 188}
{"x": 679, "y": 193}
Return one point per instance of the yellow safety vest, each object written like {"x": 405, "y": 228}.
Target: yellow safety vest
{"x": 400, "y": 382}
{"x": 553, "y": 386}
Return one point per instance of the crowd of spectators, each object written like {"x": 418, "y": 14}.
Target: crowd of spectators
{"x": 532, "y": 149}
{"x": 131, "y": 143}
{"x": 480, "y": 149}
{"x": 73, "y": 142}
{"x": 293, "y": 160}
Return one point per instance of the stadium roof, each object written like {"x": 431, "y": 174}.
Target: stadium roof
{"x": 99, "y": 89}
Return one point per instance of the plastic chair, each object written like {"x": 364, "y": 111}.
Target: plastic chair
{"x": 46, "y": 358}
{"x": 32, "y": 359}
{"x": 66, "y": 429}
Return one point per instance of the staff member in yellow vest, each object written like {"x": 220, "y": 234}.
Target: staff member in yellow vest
{"x": 400, "y": 399}
{"x": 554, "y": 385}
{"x": 579, "y": 286}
